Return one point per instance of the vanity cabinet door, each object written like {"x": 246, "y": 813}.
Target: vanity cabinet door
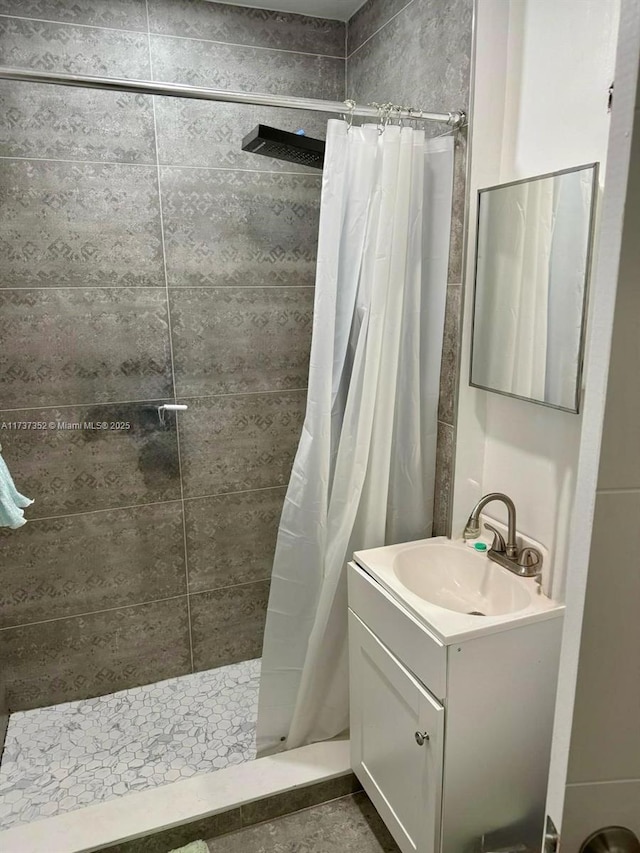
{"x": 389, "y": 707}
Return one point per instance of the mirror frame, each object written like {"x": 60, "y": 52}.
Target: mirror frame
{"x": 595, "y": 166}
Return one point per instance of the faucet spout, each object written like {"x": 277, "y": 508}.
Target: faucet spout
{"x": 472, "y": 528}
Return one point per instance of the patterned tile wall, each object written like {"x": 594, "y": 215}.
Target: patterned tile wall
{"x": 419, "y": 54}
{"x": 145, "y": 258}
{"x": 79, "y": 225}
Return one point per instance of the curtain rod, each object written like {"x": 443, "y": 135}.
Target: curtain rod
{"x": 455, "y": 119}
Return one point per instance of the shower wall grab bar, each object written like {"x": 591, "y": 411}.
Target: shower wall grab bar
{"x": 455, "y": 119}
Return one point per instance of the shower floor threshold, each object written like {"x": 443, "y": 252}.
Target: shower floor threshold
{"x": 138, "y": 815}
{"x": 69, "y": 756}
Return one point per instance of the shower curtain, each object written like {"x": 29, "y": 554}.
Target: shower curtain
{"x": 364, "y": 471}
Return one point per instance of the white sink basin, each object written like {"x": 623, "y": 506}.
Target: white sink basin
{"x": 458, "y": 593}
{"x": 459, "y": 579}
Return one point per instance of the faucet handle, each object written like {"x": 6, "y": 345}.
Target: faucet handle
{"x": 499, "y": 545}
{"x": 530, "y": 560}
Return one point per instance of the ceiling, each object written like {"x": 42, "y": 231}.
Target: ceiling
{"x": 340, "y": 10}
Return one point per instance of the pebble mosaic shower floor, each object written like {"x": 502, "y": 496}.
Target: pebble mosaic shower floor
{"x": 64, "y": 757}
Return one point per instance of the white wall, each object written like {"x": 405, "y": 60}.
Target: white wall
{"x": 603, "y": 776}
{"x": 542, "y": 73}
{"x": 549, "y": 460}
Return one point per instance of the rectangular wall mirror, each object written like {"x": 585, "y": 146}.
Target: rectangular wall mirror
{"x": 532, "y": 267}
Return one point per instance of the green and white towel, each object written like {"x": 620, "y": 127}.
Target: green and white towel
{"x": 12, "y": 502}
{"x": 194, "y": 847}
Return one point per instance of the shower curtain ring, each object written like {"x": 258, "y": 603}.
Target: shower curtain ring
{"x": 383, "y": 116}
{"x": 380, "y": 109}
{"x": 351, "y": 105}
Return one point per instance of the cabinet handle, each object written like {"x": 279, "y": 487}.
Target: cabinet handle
{"x": 421, "y": 738}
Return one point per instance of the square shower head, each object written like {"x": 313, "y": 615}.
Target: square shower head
{"x": 283, "y": 145}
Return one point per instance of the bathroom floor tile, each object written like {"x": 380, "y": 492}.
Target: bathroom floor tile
{"x": 64, "y": 757}
{"x": 347, "y": 825}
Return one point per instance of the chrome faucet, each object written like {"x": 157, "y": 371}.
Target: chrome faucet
{"x": 526, "y": 562}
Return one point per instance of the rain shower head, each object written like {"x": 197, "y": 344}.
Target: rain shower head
{"x": 293, "y": 147}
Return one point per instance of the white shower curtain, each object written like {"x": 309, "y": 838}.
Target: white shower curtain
{"x": 364, "y": 470}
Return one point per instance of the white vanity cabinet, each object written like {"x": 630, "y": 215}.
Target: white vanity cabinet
{"x": 451, "y": 741}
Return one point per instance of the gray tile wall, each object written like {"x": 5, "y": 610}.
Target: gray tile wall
{"x": 144, "y": 258}
{"x": 418, "y": 53}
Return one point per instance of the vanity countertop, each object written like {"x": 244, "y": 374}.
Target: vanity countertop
{"x": 456, "y": 592}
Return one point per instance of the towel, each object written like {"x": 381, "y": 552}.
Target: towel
{"x": 194, "y": 847}
{"x": 11, "y": 501}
